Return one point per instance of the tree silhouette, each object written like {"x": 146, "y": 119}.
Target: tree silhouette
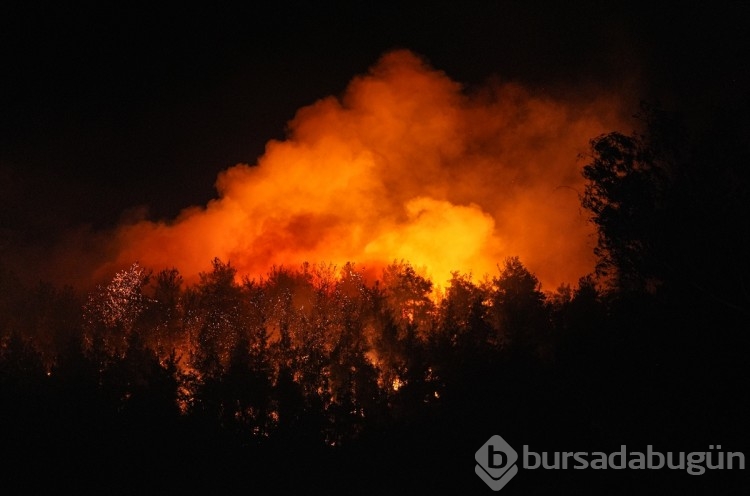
{"x": 246, "y": 392}
{"x": 518, "y": 309}
{"x": 625, "y": 194}
{"x": 408, "y": 295}
{"x": 162, "y": 320}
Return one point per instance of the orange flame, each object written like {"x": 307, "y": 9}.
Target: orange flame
{"x": 405, "y": 165}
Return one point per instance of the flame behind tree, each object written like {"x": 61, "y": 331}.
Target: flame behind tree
{"x": 406, "y": 165}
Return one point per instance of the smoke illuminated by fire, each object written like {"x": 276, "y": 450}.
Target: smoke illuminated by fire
{"x": 406, "y": 165}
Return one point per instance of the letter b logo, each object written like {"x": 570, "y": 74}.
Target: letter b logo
{"x": 496, "y": 462}
{"x": 493, "y": 455}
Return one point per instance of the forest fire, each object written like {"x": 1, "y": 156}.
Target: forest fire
{"x": 404, "y": 166}
{"x": 264, "y": 249}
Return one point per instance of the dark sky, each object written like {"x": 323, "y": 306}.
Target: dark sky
{"x": 104, "y": 109}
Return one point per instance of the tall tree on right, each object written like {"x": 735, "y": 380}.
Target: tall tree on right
{"x": 628, "y": 180}
{"x": 670, "y": 205}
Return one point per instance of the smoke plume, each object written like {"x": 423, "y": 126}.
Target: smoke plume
{"x": 405, "y": 165}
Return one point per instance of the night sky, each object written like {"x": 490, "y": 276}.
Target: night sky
{"x": 106, "y": 111}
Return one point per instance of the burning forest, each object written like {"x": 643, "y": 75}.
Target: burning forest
{"x": 415, "y": 264}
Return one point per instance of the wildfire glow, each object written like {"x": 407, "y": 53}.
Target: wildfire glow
{"x": 405, "y": 165}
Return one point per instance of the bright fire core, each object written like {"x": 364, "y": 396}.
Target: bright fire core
{"x": 405, "y": 165}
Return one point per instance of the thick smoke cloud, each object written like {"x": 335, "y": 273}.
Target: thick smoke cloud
{"x": 405, "y": 165}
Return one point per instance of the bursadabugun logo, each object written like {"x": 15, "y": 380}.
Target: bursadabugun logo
{"x": 496, "y": 460}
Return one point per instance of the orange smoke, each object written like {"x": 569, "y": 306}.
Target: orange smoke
{"x": 406, "y": 165}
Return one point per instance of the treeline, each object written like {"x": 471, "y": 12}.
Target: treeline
{"x": 350, "y": 350}
{"x": 316, "y": 377}
{"x": 311, "y": 360}
{"x": 306, "y": 359}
